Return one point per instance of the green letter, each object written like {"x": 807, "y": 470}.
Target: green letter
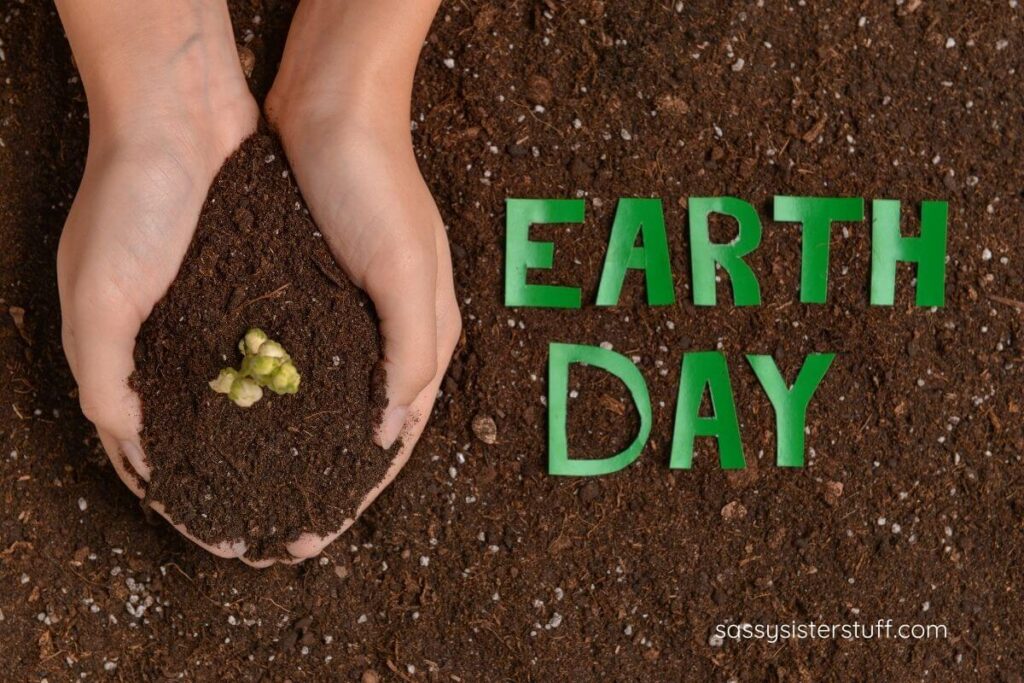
{"x": 521, "y": 254}
{"x": 704, "y": 255}
{"x": 928, "y": 251}
{"x": 632, "y": 217}
{"x": 817, "y": 215}
{"x": 561, "y": 357}
{"x": 706, "y": 370}
{"x": 790, "y": 404}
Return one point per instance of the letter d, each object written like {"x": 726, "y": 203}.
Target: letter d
{"x": 560, "y": 357}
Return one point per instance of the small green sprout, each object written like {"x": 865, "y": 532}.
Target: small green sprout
{"x": 245, "y": 391}
{"x": 252, "y": 341}
{"x": 271, "y": 349}
{"x": 265, "y": 364}
{"x": 285, "y": 380}
{"x": 259, "y": 366}
{"x": 225, "y": 379}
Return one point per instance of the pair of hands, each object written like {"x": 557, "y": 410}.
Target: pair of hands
{"x": 155, "y": 146}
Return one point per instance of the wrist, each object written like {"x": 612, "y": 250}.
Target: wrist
{"x": 345, "y": 99}
{"x": 351, "y": 61}
{"x": 200, "y": 130}
{"x": 164, "y": 72}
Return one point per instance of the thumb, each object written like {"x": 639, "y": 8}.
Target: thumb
{"x": 403, "y": 294}
{"x": 99, "y": 340}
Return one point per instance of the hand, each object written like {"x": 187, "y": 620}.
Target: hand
{"x": 163, "y": 118}
{"x": 346, "y": 135}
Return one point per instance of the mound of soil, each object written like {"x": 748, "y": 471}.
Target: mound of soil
{"x": 287, "y": 464}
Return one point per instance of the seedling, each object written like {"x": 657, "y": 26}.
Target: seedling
{"x": 265, "y": 364}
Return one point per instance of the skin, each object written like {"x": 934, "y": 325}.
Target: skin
{"x": 168, "y": 103}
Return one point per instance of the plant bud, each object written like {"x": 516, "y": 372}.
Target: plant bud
{"x": 271, "y": 349}
{"x": 261, "y": 366}
{"x": 265, "y": 364}
{"x": 222, "y": 384}
{"x": 285, "y": 379}
{"x": 252, "y": 341}
{"x": 244, "y": 392}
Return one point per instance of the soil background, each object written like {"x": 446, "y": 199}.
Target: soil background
{"x": 476, "y": 565}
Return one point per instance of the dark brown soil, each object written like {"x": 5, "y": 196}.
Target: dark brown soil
{"x": 476, "y": 565}
{"x": 288, "y": 464}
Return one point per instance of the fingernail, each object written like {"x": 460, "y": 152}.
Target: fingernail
{"x": 391, "y": 426}
{"x": 132, "y": 452}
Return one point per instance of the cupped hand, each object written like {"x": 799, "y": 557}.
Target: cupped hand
{"x": 145, "y": 182}
{"x": 361, "y": 182}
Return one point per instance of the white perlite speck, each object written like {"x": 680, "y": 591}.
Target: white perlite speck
{"x": 83, "y": 504}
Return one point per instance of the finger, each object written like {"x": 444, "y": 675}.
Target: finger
{"x": 101, "y": 328}
{"x": 116, "y": 452}
{"x": 226, "y": 549}
{"x": 310, "y": 545}
{"x": 260, "y": 564}
{"x": 128, "y": 476}
{"x": 405, "y": 305}
{"x": 448, "y": 328}
{"x": 403, "y": 292}
{"x": 67, "y": 342}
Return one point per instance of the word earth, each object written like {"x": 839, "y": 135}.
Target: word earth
{"x": 703, "y": 371}
{"x": 644, "y": 218}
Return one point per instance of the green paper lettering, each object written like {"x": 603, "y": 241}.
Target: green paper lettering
{"x": 790, "y": 404}
{"x": 706, "y": 370}
{"x": 817, "y": 215}
{"x": 704, "y": 254}
{"x": 635, "y": 216}
{"x": 521, "y": 254}
{"x": 560, "y": 358}
{"x": 928, "y": 251}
